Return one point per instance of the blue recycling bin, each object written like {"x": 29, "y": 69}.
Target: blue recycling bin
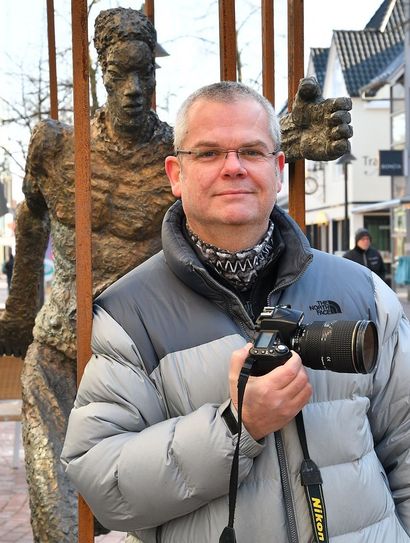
{"x": 402, "y": 275}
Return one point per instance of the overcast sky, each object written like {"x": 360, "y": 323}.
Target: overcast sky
{"x": 187, "y": 29}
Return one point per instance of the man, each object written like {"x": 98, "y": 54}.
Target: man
{"x": 152, "y": 435}
{"x": 366, "y": 255}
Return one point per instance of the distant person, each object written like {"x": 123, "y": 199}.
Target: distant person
{"x": 8, "y": 269}
{"x": 363, "y": 253}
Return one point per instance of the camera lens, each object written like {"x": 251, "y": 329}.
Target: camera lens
{"x": 341, "y": 346}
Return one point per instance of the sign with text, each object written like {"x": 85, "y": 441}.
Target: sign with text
{"x": 391, "y": 163}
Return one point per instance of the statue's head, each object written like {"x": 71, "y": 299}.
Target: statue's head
{"x": 125, "y": 41}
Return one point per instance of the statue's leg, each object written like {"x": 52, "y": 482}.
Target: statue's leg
{"x": 49, "y": 388}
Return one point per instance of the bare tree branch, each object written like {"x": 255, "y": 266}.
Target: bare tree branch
{"x": 11, "y": 155}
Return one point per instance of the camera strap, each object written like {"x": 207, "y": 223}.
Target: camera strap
{"x": 312, "y": 481}
{"x": 311, "y": 477}
{"x": 228, "y": 534}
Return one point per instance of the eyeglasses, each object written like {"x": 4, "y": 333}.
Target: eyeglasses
{"x": 216, "y": 155}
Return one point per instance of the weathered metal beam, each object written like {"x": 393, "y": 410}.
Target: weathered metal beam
{"x": 268, "y": 51}
{"x": 82, "y": 215}
{"x": 227, "y": 40}
{"x": 297, "y": 208}
{"x": 52, "y": 64}
{"x": 149, "y": 10}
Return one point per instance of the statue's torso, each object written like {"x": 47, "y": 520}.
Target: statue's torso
{"x": 130, "y": 194}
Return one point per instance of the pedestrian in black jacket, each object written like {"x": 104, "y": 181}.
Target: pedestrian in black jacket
{"x": 8, "y": 269}
{"x": 366, "y": 255}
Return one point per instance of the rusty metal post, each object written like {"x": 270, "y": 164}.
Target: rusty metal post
{"x": 295, "y": 73}
{"x": 227, "y": 40}
{"x": 82, "y": 215}
{"x": 52, "y": 60}
{"x": 149, "y": 10}
{"x": 268, "y": 51}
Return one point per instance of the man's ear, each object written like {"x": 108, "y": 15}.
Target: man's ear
{"x": 280, "y": 164}
{"x": 173, "y": 171}
{"x": 280, "y": 161}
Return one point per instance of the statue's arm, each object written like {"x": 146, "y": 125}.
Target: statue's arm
{"x": 32, "y": 233}
{"x": 22, "y": 304}
{"x": 316, "y": 129}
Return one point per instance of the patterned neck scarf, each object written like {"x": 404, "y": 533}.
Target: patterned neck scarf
{"x": 241, "y": 268}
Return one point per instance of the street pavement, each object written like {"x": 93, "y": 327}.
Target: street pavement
{"x": 14, "y": 505}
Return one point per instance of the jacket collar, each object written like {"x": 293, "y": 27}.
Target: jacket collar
{"x": 183, "y": 261}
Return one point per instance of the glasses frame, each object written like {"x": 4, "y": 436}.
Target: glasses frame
{"x": 239, "y": 152}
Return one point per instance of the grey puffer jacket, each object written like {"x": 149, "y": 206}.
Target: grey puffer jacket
{"x": 148, "y": 448}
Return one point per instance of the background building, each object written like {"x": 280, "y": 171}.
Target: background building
{"x": 357, "y": 190}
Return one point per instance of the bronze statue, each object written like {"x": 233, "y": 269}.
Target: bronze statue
{"x": 130, "y": 194}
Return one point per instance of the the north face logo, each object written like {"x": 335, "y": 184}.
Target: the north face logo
{"x": 325, "y": 307}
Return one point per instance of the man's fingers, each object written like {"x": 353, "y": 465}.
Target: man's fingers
{"x": 285, "y": 374}
{"x": 237, "y": 360}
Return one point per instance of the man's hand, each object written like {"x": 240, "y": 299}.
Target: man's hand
{"x": 272, "y": 400}
{"x": 316, "y": 129}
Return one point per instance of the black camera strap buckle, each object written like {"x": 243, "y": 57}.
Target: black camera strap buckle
{"x": 311, "y": 479}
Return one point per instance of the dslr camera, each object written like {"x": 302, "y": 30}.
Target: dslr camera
{"x": 337, "y": 345}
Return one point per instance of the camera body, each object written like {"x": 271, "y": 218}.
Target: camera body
{"x": 272, "y": 345}
{"x": 338, "y": 345}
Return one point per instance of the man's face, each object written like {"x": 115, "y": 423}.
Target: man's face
{"x": 129, "y": 79}
{"x": 364, "y": 243}
{"x": 232, "y": 194}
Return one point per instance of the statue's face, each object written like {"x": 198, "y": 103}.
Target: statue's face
{"x": 129, "y": 79}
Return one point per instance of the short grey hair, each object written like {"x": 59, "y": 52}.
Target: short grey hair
{"x": 225, "y": 92}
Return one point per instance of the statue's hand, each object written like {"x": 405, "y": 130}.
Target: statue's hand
{"x": 15, "y": 335}
{"x": 324, "y": 125}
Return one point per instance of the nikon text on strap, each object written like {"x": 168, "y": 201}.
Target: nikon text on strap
{"x": 312, "y": 481}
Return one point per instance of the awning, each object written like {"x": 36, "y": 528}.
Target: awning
{"x": 385, "y": 205}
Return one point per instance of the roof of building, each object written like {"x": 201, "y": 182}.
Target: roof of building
{"x": 319, "y": 56}
{"x": 365, "y": 54}
{"x": 391, "y": 73}
{"x": 388, "y": 16}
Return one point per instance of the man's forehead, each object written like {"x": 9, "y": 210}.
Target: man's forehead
{"x": 205, "y": 113}
{"x": 211, "y": 107}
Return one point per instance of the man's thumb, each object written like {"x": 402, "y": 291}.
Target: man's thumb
{"x": 238, "y": 358}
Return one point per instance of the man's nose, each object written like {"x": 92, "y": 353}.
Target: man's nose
{"x": 232, "y": 164}
{"x": 133, "y": 85}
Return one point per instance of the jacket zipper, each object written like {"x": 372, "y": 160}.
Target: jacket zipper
{"x": 283, "y": 466}
{"x": 231, "y": 314}
{"x": 286, "y": 488}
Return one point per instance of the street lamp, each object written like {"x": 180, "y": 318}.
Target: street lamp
{"x": 345, "y": 160}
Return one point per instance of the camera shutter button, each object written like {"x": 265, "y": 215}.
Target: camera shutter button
{"x": 281, "y": 349}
